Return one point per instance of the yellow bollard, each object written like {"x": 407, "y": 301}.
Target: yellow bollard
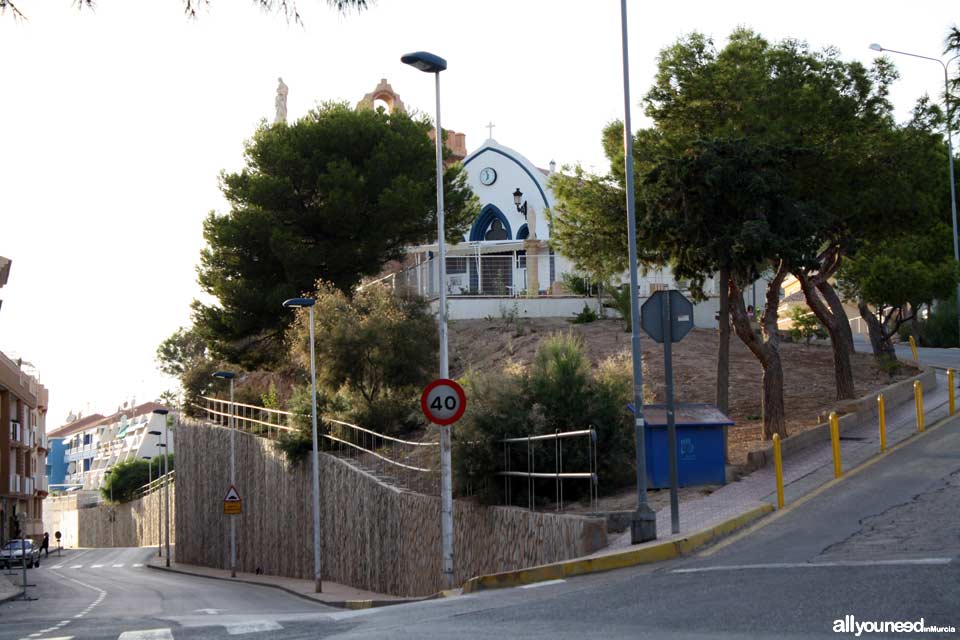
{"x": 881, "y": 410}
{"x": 951, "y": 391}
{"x": 918, "y": 401}
{"x": 913, "y": 349}
{"x": 835, "y": 440}
{"x": 778, "y": 469}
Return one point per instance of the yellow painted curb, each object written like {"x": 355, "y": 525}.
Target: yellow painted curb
{"x": 619, "y": 560}
{"x": 359, "y": 604}
{"x": 863, "y": 466}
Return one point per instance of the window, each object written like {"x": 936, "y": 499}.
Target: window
{"x": 456, "y": 265}
{"x": 87, "y": 438}
{"x": 86, "y": 464}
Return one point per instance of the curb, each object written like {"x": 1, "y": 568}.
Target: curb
{"x": 863, "y": 466}
{"x": 340, "y": 604}
{"x": 619, "y": 560}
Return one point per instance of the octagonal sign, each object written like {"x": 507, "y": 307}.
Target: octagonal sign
{"x": 443, "y": 401}
{"x": 652, "y": 316}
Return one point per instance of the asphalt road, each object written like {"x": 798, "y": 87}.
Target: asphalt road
{"x": 943, "y": 358}
{"x": 883, "y": 545}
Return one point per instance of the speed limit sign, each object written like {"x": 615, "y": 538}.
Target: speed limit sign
{"x": 443, "y": 402}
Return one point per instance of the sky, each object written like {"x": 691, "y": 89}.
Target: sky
{"x": 116, "y": 123}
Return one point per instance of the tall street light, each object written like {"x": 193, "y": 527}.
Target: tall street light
{"x": 300, "y": 303}
{"x": 229, "y": 375}
{"x": 159, "y": 503}
{"x": 430, "y": 63}
{"x": 643, "y": 526}
{"x": 953, "y": 188}
{"x": 166, "y": 484}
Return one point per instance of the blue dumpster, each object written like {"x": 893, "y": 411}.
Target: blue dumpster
{"x": 700, "y": 444}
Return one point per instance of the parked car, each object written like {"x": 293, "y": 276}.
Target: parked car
{"x": 11, "y": 555}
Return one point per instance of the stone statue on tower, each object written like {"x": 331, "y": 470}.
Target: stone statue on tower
{"x": 281, "y": 102}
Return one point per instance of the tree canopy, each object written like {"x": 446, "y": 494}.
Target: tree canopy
{"x": 330, "y": 197}
{"x": 288, "y": 8}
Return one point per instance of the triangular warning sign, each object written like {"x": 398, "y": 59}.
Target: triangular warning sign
{"x": 232, "y": 495}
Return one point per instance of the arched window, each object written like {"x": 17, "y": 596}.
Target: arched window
{"x": 484, "y": 224}
{"x": 523, "y": 233}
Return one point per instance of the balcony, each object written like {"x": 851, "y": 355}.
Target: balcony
{"x": 14, "y": 483}
{"x": 28, "y": 485}
{"x": 16, "y": 433}
{"x": 42, "y": 484}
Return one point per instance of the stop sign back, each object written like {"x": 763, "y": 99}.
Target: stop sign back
{"x": 443, "y": 402}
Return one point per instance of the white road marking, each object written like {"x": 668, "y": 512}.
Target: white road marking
{"x": 816, "y": 565}
{"x": 57, "y": 566}
{"x": 545, "y": 583}
{"x": 117, "y": 566}
{"x": 252, "y": 627}
{"x": 95, "y": 566}
{"x": 77, "y": 566}
{"x": 148, "y": 634}
{"x": 138, "y": 565}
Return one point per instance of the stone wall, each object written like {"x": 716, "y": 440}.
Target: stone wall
{"x": 131, "y": 524}
{"x": 375, "y": 537}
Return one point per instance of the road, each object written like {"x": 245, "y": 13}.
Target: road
{"x": 882, "y": 545}
{"x": 943, "y": 358}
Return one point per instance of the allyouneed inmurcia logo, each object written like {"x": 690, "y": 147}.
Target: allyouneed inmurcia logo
{"x": 849, "y": 624}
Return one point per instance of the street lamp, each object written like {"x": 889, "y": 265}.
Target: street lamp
{"x": 160, "y": 445}
{"x": 953, "y": 189}
{"x": 113, "y": 510}
{"x": 430, "y": 63}
{"x": 643, "y": 526}
{"x": 517, "y": 198}
{"x": 229, "y": 375}
{"x": 300, "y": 303}
{"x": 166, "y": 484}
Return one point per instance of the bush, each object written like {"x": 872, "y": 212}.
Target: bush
{"x": 558, "y": 393}
{"x": 940, "y": 327}
{"x": 125, "y": 478}
{"x": 805, "y": 326}
{"x": 620, "y": 302}
{"x": 585, "y": 316}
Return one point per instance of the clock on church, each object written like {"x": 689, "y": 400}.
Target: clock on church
{"x": 488, "y": 176}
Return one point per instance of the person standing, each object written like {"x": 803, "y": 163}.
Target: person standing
{"x": 45, "y": 545}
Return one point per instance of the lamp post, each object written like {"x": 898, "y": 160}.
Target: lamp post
{"x": 149, "y": 469}
{"x": 430, "y": 63}
{"x": 953, "y": 188}
{"x": 643, "y": 526}
{"x": 166, "y": 484}
{"x": 299, "y": 303}
{"x": 159, "y": 503}
{"x": 229, "y": 375}
{"x": 517, "y": 199}
{"x": 113, "y": 511}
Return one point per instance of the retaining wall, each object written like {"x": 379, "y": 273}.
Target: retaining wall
{"x": 131, "y": 524}
{"x": 856, "y": 413}
{"x": 374, "y": 537}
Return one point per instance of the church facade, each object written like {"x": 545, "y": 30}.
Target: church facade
{"x": 504, "y": 262}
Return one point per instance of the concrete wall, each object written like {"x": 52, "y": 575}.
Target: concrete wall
{"x": 374, "y": 536}
{"x": 131, "y": 524}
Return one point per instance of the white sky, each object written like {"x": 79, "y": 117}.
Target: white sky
{"x": 114, "y": 126}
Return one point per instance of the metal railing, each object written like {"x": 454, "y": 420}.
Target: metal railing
{"x": 155, "y": 485}
{"x": 413, "y": 465}
{"x": 558, "y": 475}
{"x": 486, "y": 275}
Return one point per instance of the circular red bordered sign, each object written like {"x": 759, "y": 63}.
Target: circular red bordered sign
{"x": 443, "y": 402}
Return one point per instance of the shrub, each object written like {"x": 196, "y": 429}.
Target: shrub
{"x": 585, "y": 316}
{"x": 125, "y": 478}
{"x": 620, "y": 302}
{"x": 558, "y": 393}
{"x": 805, "y": 326}
{"x": 940, "y": 327}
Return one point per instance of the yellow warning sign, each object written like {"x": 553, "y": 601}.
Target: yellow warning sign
{"x": 231, "y": 502}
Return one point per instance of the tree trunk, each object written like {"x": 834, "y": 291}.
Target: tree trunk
{"x": 915, "y": 323}
{"x": 837, "y": 325}
{"x": 723, "y": 352}
{"x": 765, "y": 348}
{"x": 879, "y": 340}
{"x": 829, "y": 293}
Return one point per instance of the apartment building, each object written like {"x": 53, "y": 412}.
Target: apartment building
{"x": 23, "y": 451}
{"x": 94, "y": 444}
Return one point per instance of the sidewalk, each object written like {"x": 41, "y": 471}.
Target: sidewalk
{"x": 737, "y": 504}
{"x": 334, "y": 595}
{"x": 803, "y": 471}
{"x": 9, "y": 586}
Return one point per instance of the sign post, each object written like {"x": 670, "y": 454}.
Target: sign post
{"x": 443, "y": 402}
{"x": 667, "y": 317}
{"x": 57, "y": 536}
